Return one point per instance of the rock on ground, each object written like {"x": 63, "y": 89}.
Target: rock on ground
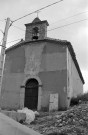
{"x": 71, "y": 122}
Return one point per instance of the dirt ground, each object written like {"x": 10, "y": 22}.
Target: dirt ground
{"x": 74, "y": 121}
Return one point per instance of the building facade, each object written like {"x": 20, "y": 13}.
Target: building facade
{"x": 40, "y": 73}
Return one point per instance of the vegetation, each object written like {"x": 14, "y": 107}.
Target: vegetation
{"x": 80, "y": 98}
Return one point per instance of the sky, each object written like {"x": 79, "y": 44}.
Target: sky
{"x": 57, "y": 16}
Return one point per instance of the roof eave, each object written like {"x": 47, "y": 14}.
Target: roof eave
{"x": 71, "y": 50}
{"x": 30, "y": 24}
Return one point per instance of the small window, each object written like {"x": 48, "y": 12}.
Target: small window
{"x": 35, "y": 33}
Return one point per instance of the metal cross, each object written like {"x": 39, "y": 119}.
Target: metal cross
{"x": 37, "y": 12}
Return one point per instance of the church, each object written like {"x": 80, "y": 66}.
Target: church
{"x": 40, "y": 73}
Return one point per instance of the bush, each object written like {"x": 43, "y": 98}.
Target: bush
{"x": 76, "y": 100}
{"x": 84, "y": 97}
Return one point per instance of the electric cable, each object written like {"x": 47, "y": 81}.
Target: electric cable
{"x": 56, "y": 21}
{"x": 55, "y": 28}
{"x": 70, "y": 17}
{"x": 18, "y": 27}
{"x": 68, "y": 24}
{"x": 37, "y": 10}
{"x": 14, "y": 40}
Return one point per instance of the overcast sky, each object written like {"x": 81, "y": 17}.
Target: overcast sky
{"x": 56, "y": 15}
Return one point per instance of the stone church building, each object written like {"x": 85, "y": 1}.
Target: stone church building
{"x": 40, "y": 73}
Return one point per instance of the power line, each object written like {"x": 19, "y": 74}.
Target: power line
{"x": 68, "y": 24}
{"x": 38, "y": 10}
{"x": 54, "y": 22}
{"x": 18, "y": 27}
{"x": 70, "y": 16}
{"x": 14, "y": 40}
{"x": 54, "y": 28}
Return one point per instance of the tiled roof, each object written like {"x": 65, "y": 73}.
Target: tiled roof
{"x": 36, "y": 20}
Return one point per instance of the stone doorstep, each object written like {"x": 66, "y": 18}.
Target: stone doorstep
{"x": 14, "y": 115}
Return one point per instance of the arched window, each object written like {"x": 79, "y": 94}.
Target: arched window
{"x": 35, "y": 33}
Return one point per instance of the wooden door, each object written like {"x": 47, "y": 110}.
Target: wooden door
{"x": 31, "y": 94}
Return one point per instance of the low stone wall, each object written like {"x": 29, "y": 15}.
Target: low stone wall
{"x": 15, "y": 115}
{"x": 9, "y": 126}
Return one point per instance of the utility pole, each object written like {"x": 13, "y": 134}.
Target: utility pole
{"x": 3, "y": 46}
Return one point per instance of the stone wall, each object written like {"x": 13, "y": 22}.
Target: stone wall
{"x": 39, "y": 60}
{"x": 42, "y": 31}
{"x": 75, "y": 85}
{"x": 54, "y": 82}
{"x": 9, "y": 126}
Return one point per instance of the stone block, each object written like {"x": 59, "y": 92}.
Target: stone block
{"x": 15, "y": 115}
{"x": 9, "y": 126}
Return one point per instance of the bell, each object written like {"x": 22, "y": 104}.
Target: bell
{"x": 35, "y": 37}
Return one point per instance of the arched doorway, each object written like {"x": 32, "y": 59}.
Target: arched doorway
{"x": 31, "y": 94}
